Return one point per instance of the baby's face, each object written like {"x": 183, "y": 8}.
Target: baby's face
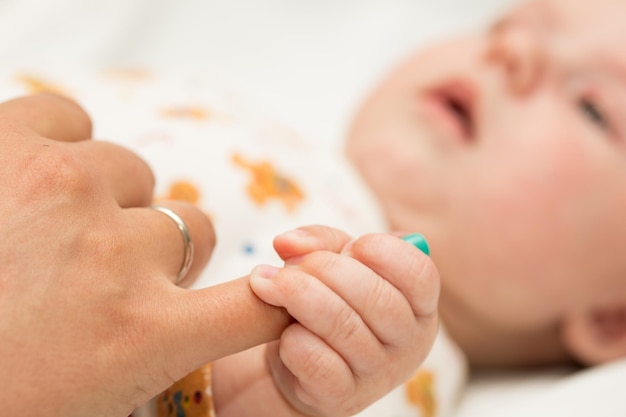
{"x": 508, "y": 151}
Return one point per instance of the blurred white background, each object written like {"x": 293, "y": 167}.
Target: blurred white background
{"x": 308, "y": 62}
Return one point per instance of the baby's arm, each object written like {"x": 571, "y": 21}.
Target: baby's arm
{"x": 366, "y": 314}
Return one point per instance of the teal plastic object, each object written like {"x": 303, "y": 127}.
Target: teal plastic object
{"x": 418, "y": 241}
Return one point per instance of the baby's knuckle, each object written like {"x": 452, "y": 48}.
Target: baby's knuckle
{"x": 425, "y": 281}
{"x": 346, "y": 324}
{"x": 317, "y": 366}
{"x": 293, "y": 283}
{"x": 317, "y": 262}
{"x": 367, "y": 244}
{"x": 341, "y": 398}
{"x": 383, "y": 296}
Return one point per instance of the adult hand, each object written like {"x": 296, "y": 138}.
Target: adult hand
{"x": 92, "y": 323}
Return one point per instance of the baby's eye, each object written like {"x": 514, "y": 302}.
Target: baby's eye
{"x": 594, "y": 113}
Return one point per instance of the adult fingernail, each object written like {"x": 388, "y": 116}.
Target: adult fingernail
{"x": 418, "y": 241}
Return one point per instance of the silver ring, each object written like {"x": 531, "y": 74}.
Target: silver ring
{"x": 187, "y": 242}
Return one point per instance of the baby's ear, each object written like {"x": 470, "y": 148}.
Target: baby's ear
{"x": 596, "y": 336}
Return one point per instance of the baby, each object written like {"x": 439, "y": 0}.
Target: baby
{"x": 506, "y": 150}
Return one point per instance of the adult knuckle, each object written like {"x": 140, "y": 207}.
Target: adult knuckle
{"x": 109, "y": 246}
{"x": 57, "y": 170}
{"x": 106, "y": 249}
{"x": 12, "y": 132}
{"x": 132, "y": 326}
{"x": 132, "y": 315}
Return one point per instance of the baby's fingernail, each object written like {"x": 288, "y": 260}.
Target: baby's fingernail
{"x": 298, "y": 234}
{"x": 263, "y": 285}
{"x": 418, "y": 241}
{"x": 264, "y": 271}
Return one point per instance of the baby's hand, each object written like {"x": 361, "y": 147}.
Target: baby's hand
{"x": 366, "y": 312}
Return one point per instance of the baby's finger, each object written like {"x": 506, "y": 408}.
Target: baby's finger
{"x": 303, "y": 240}
{"x": 49, "y": 115}
{"x": 382, "y": 307}
{"x": 409, "y": 270}
{"x": 309, "y": 368}
{"x": 322, "y": 311}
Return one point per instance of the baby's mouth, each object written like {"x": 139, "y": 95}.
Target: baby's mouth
{"x": 461, "y": 109}
{"x": 455, "y": 102}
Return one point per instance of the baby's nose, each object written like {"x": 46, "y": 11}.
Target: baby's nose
{"x": 517, "y": 49}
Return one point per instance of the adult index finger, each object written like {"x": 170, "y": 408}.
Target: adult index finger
{"x": 201, "y": 326}
{"x": 177, "y": 239}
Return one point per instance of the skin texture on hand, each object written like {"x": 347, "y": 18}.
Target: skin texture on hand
{"x": 92, "y": 323}
{"x": 366, "y": 317}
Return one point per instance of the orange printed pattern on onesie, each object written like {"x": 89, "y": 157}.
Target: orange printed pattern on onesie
{"x": 128, "y": 74}
{"x": 186, "y": 112}
{"x": 420, "y": 392}
{"x": 189, "y": 397}
{"x": 35, "y": 85}
{"x": 184, "y": 191}
{"x": 268, "y": 184}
